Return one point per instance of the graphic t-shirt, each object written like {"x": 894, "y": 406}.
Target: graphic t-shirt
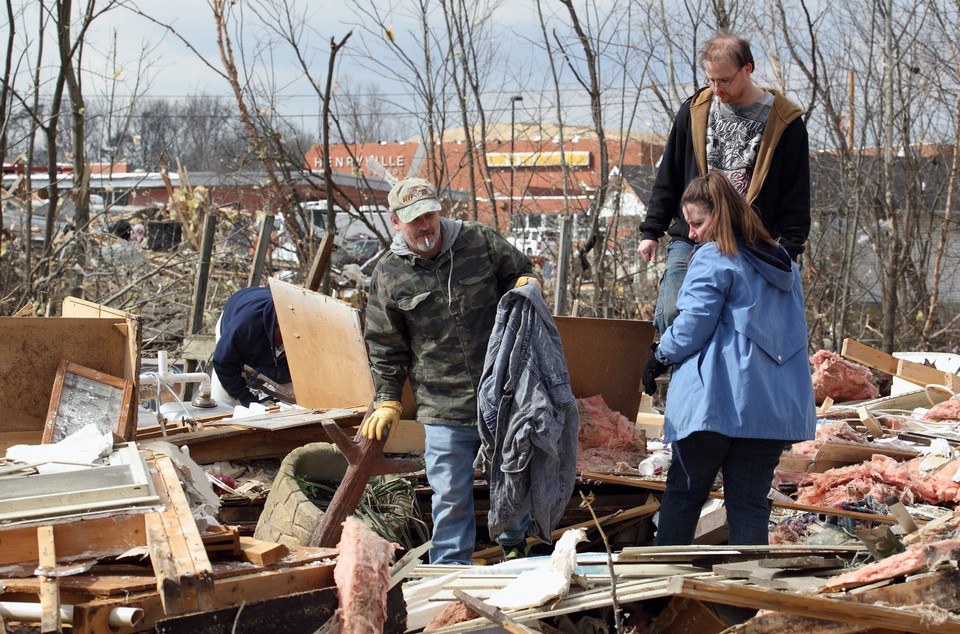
{"x": 733, "y": 139}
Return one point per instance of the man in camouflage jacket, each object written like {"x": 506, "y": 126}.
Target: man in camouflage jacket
{"x": 433, "y": 301}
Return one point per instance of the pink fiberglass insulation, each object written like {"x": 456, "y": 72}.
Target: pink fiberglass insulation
{"x": 937, "y": 487}
{"x": 606, "y": 437}
{"x": 362, "y": 575}
{"x": 840, "y": 379}
{"x": 879, "y": 477}
{"x": 915, "y": 558}
{"x": 947, "y": 410}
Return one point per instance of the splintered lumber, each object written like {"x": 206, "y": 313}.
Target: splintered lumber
{"x": 261, "y": 585}
{"x": 870, "y": 357}
{"x": 184, "y": 574}
{"x": 223, "y": 540}
{"x": 808, "y": 605}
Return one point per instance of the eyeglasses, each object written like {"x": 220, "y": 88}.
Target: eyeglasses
{"x": 723, "y": 83}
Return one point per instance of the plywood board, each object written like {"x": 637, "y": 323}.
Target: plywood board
{"x": 31, "y": 356}
{"x": 323, "y": 338}
{"x": 606, "y": 356}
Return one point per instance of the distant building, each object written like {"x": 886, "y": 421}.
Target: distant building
{"x": 526, "y": 183}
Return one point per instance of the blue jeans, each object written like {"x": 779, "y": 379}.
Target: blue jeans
{"x": 747, "y": 465}
{"x": 678, "y": 257}
{"x": 449, "y": 454}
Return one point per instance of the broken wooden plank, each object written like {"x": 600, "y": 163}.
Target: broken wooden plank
{"x": 871, "y": 423}
{"x": 868, "y": 356}
{"x": 94, "y": 536}
{"x": 804, "y": 562}
{"x": 769, "y": 577}
{"x": 184, "y": 574}
{"x": 808, "y": 605}
{"x": 492, "y": 613}
{"x": 909, "y": 371}
{"x": 223, "y": 540}
{"x": 924, "y": 375}
{"x": 91, "y": 617}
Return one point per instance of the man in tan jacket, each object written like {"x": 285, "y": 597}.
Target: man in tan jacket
{"x": 756, "y": 137}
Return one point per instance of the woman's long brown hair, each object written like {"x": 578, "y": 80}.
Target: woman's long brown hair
{"x": 730, "y": 212}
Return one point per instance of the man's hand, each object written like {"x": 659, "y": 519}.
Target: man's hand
{"x": 384, "y": 416}
{"x": 648, "y": 250}
{"x": 652, "y": 370}
{"x": 523, "y": 279}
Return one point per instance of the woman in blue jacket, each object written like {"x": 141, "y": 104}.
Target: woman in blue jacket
{"x": 741, "y": 389}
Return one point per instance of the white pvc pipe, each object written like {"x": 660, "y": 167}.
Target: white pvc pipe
{"x": 32, "y": 613}
{"x": 164, "y": 374}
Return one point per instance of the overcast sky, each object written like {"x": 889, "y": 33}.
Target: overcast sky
{"x": 173, "y": 53}
{"x": 172, "y": 69}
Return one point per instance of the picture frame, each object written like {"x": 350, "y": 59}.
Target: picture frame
{"x": 83, "y": 396}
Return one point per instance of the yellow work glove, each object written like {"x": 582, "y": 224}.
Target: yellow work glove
{"x": 523, "y": 279}
{"x": 384, "y": 416}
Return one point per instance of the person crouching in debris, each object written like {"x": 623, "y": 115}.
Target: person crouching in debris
{"x": 247, "y": 333}
{"x": 741, "y": 390}
{"x": 433, "y": 300}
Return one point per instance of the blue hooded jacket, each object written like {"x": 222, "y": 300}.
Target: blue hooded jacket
{"x": 246, "y": 338}
{"x": 740, "y": 345}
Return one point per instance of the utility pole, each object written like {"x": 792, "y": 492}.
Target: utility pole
{"x": 513, "y": 163}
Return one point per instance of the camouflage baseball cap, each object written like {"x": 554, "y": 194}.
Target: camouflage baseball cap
{"x": 413, "y": 197}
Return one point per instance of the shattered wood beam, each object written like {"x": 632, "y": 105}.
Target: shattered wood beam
{"x": 321, "y": 262}
{"x": 819, "y": 606}
{"x": 259, "y": 585}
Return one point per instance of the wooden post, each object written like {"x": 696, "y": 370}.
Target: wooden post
{"x": 561, "y": 268}
{"x": 260, "y": 257}
{"x": 320, "y": 263}
{"x": 49, "y": 588}
{"x": 195, "y": 325}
